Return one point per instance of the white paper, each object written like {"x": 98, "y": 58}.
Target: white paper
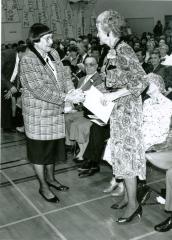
{"x": 93, "y": 103}
{"x": 160, "y": 200}
{"x": 98, "y": 122}
{"x": 168, "y": 61}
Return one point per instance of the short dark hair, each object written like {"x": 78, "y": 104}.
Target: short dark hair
{"x": 141, "y": 50}
{"x": 73, "y": 49}
{"x": 89, "y": 57}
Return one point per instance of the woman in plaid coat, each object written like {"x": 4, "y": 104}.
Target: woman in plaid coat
{"x": 45, "y": 83}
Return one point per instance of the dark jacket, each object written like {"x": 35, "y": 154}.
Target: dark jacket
{"x": 8, "y": 59}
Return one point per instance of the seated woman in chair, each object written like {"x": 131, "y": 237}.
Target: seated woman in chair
{"x": 156, "y": 130}
{"x": 158, "y": 112}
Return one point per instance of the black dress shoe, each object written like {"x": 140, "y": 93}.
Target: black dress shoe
{"x": 137, "y": 212}
{"x": 53, "y": 199}
{"x": 89, "y": 172}
{"x": 118, "y": 206}
{"x": 61, "y": 187}
{"x": 85, "y": 166}
{"x": 94, "y": 170}
{"x": 164, "y": 226}
{"x": 77, "y": 160}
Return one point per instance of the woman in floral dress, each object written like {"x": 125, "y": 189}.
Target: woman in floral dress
{"x": 123, "y": 71}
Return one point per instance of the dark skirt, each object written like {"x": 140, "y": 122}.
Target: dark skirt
{"x": 45, "y": 152}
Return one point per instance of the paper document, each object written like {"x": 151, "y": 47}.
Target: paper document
{"x": 93, "y": 103}
{"x": 96, "y": 120}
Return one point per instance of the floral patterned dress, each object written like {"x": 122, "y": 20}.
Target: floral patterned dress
{"x": 157, "y": 118}
{"x": 127, "y": 145}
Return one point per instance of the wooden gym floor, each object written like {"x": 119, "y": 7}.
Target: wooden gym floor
{"x": 83, "y": 213}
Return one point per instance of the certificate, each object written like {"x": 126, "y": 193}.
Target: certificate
{"x": 93, "y": 103}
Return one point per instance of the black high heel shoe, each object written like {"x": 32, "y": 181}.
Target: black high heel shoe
{"x": 53, "y": 199}
{"x": 59, "y": 188}
{"x": 137, "y": 212}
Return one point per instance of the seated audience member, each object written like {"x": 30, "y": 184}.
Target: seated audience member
{"x": 149, "y": 49}
{"x": 8, "y": 60}
{"x": 77, "y": 124}
{"x": 136, "y": 46}
{"x": 95, "y": 148}
{"x": 71, "y": 59}
{"x": 157, "y": 112}
{"x": 163, "y": 160}
{"x": 17, "y": 96}
{"x": 158, "y": 68}
{"x": 141, "y": 56}
{"x": 95, "y": 52}
{"x": 168, "y": 64}
{"x": 82, "y": 50}
{"x": 143, "y": 43}
{"x": 161, "y": 42}
{"x": 163, "y": 50}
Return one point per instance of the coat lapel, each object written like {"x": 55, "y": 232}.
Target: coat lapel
{"x": 93, "y": 81}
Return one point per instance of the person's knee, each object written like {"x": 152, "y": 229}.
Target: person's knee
{"x": 169, "y": 174}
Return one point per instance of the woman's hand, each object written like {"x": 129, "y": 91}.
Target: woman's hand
{"x": 105, "y": 99}
{"x": 75, "y": 96}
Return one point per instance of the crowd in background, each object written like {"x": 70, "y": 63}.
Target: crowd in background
{"x": 151, "y": 49}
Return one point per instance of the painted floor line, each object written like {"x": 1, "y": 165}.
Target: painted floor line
{"x": 143, "y": 236}
{"x": 59, "y": 234}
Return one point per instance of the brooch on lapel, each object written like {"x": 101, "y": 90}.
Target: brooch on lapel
{"x": 91, "y": 80}
{"x": 110, "y": 67}
{"x": 111, "y": 54}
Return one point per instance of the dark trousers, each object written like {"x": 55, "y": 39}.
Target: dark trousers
{"x": 96, "y": 145}
{"x": 7, "y": 121}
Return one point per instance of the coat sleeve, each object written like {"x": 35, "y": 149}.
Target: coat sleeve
{"x": 33, "y": 80}
{"x": 128, "y": 71}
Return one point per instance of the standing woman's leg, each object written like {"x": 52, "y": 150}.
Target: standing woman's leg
{"x": 57, "y": 150}
{"x": 131, "y": 188}
{"x": 37, "y": 152}
{"x": 133, "y": 209}
{"x": 51, "y": 180}
{"x": 44, "y": 188}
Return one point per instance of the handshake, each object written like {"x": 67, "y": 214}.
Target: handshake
{"x": 75, "y": 96}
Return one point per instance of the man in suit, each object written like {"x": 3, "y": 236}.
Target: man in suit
{"x": 141, "y": 56}
{"x": 77, "y": 124}
{"x": 8, "y": 60}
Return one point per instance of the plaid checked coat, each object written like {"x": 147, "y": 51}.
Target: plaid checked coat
{"x": 43, "y": 96}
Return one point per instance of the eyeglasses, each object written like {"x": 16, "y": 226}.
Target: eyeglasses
{"x": 90, "y": 64}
